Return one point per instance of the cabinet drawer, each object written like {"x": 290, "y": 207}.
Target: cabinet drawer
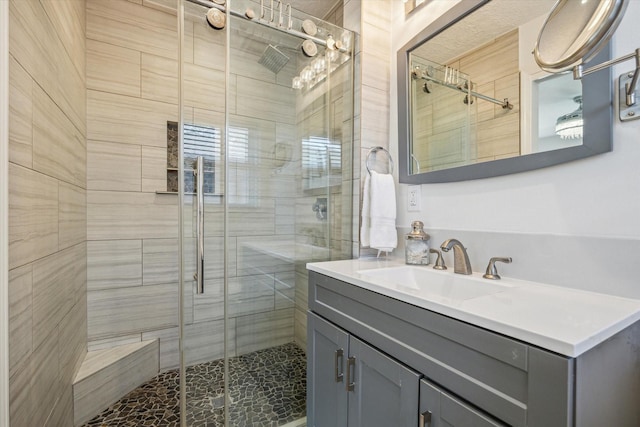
{"x": 487, "y": 369}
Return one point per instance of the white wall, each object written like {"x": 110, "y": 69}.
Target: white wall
{"x": 595, "y": 198}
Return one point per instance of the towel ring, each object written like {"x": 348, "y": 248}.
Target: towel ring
{"x": 374, "y": 150}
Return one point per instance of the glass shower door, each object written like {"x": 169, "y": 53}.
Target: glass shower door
{"x": 276, "y": 175}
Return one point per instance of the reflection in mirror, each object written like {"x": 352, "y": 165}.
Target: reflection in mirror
{"x": 473, "y": 95}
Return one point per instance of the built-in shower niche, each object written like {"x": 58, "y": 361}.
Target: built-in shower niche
{"x": 198, "y": 141}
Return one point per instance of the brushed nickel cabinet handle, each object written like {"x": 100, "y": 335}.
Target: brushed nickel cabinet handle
{"x": 339, "y": 356}
{"x": 351, "y": 368}
{"x": 425, "y": 419}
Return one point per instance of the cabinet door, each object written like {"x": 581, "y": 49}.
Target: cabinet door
{"x": 327, "y": 350}
{"x": 382, "y": 392}
{"x": 440, "y": 409}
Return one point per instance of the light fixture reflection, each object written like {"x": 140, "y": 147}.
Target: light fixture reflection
{"x": 569, "y": 126}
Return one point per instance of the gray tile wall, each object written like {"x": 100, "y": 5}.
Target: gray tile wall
{"x": 47, "y": 209}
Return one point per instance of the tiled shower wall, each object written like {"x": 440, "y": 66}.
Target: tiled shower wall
{"x": 495, "y": 132}
{"x": 132, "y": 92}
{"x": 47, "y": 209}
{"x": 371, "y": 20}
{"x": 132, "y": 232}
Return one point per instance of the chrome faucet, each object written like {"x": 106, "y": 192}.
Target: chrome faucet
{"x": 461, "y": 264}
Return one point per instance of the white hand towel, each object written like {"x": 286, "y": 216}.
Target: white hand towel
{"x": 382, "y": 210}
{"x": 365, "y": 226}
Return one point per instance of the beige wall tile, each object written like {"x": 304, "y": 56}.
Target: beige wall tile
{"x": 300, "y": 327}
{"x": 62, "y": 413}
{"x": 265, "y": 101}
{"x": 375, "y": 110}
{"x": 33, "y": 215}
{"x": 56, "y": 283}
{"x": 154, "y": 169}
{"x": 31, "y": 44}
{"x": 72, "y": 343}
{"x": 113, "y": 342}
{"x": 160, "y": 261}
{"x": 128, "y": 120}
{"x": 20, "y": 115}
{"x": 133, "y": 26}
{"x": 113, "y": 166}
{"x": 285, "y": 290}
{"x": 71, "y": 94}
{"x": 204, "y": 87}
{"x": 72, "y": 215}
{"x": 159, "y": 78}
{"x": 169, "y": 347}
{"x": 114, "y": 264}
{"x": 204, "y": 341}
{"x": 20, "y": 317}
{"x": 68, "y": 19}
{"x": 45, "y": 385}
{"x": 127, "y": 215}
{"x": 263, "y": 330}
{"x": 20, "y": 398}
{"x": 113, "y": 69}
{"x": 128, "y": 310}
{"x": 247, "y": 295}
{"x": 59, "y": 149}
{"x": 494, "y": 140}
{"x": 208, "y": 46}
{"x": 494, "y": 60}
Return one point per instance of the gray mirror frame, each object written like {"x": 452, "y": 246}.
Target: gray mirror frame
{"x": 597, "y": 111}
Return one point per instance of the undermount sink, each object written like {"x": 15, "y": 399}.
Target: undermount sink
{"x": 426, "y": 282}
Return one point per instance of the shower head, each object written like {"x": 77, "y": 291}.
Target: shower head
{"x": 273, "y": 59}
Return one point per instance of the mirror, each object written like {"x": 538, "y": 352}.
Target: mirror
{"x": 473, "y": 103}
{"x": 574, "y": 31}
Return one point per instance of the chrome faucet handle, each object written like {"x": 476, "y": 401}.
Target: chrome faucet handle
{"x": 439, "y": 261}
{"x": 492, "y": 271}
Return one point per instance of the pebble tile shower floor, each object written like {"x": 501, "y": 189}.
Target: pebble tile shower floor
{"x": 267, "y": 388}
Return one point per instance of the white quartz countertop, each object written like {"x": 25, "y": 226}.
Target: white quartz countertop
{"x": 564, "y": 320}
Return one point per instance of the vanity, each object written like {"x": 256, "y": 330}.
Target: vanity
{"x": 396, "y": 345}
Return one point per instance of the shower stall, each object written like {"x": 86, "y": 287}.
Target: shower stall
{"x": 262, "y": 164}
{"x": 240, "y": 119}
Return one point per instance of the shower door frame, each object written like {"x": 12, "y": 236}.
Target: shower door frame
{"x": 4, "y": 212}
{"x": 185, "y": 269}
{"x": 225, "y": 203}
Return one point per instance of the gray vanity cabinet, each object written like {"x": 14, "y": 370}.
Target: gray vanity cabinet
{"x": 327, "y": 348}
{"x": 440, "y": 409}
{"x": 354, "y": 384}
{"x": 472, "y": 377}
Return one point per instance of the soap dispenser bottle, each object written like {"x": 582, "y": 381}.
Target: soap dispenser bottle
{"x": 417, "y": 245}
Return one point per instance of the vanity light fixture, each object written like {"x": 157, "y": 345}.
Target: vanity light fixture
{"x": 569, "y": 126}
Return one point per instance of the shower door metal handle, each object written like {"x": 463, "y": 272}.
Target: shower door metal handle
{"x": 199, "y": 276}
